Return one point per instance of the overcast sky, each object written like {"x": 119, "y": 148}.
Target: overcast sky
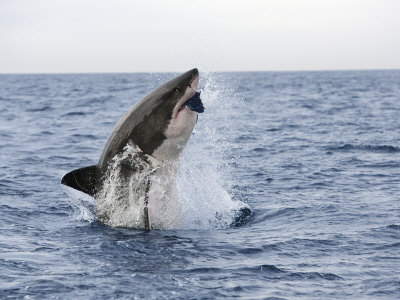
{"x": 56, "y": 36}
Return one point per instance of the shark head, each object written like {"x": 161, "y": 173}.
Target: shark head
{"x": 161, "y": 123}
{"x": 167, "y": 127}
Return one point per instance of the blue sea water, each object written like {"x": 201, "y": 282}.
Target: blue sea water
{"x": 315, "y": 155}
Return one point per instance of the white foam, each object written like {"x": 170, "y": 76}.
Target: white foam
{"x": 82, "y": 205}
{"x": 121, "y": 201}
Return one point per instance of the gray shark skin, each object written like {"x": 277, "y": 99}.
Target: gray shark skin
{"x": 158, "y": 126}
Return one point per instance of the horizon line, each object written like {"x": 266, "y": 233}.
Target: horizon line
{"x": 216, "y": 71}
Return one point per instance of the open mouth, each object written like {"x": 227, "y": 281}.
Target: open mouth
{"x": 194, "y": 103}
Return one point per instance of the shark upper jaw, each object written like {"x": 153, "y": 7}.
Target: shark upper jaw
{"x": 181, "y": 123}
{"x": 189, "y": 93}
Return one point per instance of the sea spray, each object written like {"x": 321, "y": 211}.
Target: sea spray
{"x": 121, "y": 201}
{"x": 205, "y": 174}
{"x": 82, "y": 204}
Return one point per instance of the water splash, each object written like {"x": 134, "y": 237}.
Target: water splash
{"x": 82, "y": 204}
{"x": 205, "y": 174}
{"x": 121, "y": 201}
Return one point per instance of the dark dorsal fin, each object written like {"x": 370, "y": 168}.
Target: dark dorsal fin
{"x": 85, "y": 179}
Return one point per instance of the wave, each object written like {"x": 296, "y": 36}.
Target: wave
{"x": 368, "y": 148}
{"x": 74, "y": 113}
{"x": 269, "y": 271}
{"x": 40, "y": 109}
{"x": 393, "y": 226}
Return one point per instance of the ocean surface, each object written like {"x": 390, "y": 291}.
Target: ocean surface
{"x": 315, "y": 155}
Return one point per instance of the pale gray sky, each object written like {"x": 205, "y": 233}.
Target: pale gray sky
{"x": 42, "y": 36}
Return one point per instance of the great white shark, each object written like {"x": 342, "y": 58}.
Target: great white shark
{"x": 133, "y": 182}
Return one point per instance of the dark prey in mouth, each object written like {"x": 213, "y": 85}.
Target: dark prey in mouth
{"x": 194, "y": 103}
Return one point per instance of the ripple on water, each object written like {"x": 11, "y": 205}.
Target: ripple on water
{"x": 313, "y": 154}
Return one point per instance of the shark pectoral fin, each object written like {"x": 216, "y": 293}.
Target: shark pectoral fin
{"x": 85, "y": 179}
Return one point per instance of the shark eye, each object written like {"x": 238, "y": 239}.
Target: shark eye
{"x": 177, "y": 90}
